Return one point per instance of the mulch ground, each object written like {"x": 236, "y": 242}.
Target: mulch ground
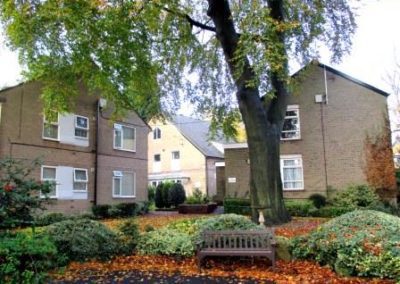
{"x": 162, "y": 269}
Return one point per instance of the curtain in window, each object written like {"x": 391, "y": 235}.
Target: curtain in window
{"x": 127, "y": 185}
{"x": 129, "y": 138}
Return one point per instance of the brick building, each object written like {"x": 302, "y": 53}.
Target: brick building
{"x": 179, "y": 151}
{"x": 322, "y": 142}
{"x": 92, "y": 159}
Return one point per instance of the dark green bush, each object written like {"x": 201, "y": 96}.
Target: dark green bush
{"x": 83, "y": 239}
{"x": 300, "y": 208}
{"x": 237, "y": 206}
{"x": 143, "y": 208}
{"x": 176, "y": 194}
{"x": 318, "y": 200}
{"x": 49, "y": 218}
{"x": 165, "y": 193}
{"x": 101, "y": 211}
{"x": 159, "y": 196}
{"x": 227, "y": 222}
{"x": 355, "y": 197}
{"x": 151, "y": 193}
{"x": 331, "y": 211}
{"x": 26, "y": 258}
{"x": 362, "y": 243}
{"x": 129, "y": 235}
{"x": 127, "y": 209}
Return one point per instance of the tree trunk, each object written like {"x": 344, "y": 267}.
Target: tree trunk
{"x": 263, "y": 120}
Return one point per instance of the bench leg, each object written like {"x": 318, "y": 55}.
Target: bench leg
{"x": 199, "y": 262}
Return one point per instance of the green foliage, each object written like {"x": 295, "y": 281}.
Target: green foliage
{"x": 20, "y": 195}
{"x": 362, "y": 242}
{"x": 187, "y": 226}
{"x": 176, "y": 194}
{"x": 162, "y": 192}
{"x": 283, "y": 246}
{"x": 331, "y": 211}
{"x": 151, "y": 193}
{"x": 101, "y": 211}
{"x": 197, "y": 197}
{"x": 84, "y": 239}
{"x": 127, "y": 209}
{"x": 166, "y": 242}
{"x": 318, "y": 200}
{"x": 129, "y": 235}
{"x": 26, "y": 258}
{"x": 356, "y": 196}
{"x": 227, "y": 222}
{"x": 300, "y": 208}
{"x": 49, "y": 218}
{"x": 143, "y": 208}
{"x": 237, "y": 206}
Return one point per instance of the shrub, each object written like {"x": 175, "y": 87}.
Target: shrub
{"x": 20, "y": 196}
{"x": 237, "y": 206}
{"x": 331, "y": 211}
{"x": 166, "y": 242}
{"x": 227, "y": 222}
{"x": 318, "y": 200}
{"x": 129, "y": 235}
{"x": 143, "y": 208}
{"x": 151, "y": 193}
{"x": 83, "y": 239}
{"x": 176, "y": 194}
{"x": 362, "y": 242}
{"x": 356, "y": 196}
{"x": 197, "y": 197}
{"x": 165, "y": 193}
{"x": 26, "y": 258}
{"x": 127, "y": 209}
{"x": 49, "y": 218}
{"x": 187, "y": 226}
{"x": 101, "y": 211}
{"x": 159, "y": 197}
{"x": 300, "y": 208}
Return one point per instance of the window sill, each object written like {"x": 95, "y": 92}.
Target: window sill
{"x": 79, "y": 191}
{"x": 82, "y": 138}
{"x": 291, "y": 139}
{"x": 293, "y": 189}
{"x": 122, "y": 197}
{"x": 51, "y": 139}
{"x": 125, "y": 150}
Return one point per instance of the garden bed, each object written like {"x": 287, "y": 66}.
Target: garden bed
{"x": 197, "y": 208}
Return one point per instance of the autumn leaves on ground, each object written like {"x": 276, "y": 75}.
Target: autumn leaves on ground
{"x": 258, "y": 270}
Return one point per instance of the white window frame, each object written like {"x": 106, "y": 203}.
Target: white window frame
{"x": 156, "y": 133}
{"x": 51, "y": 180}
{"x": 298, "y": 131}
{"x": 121, "y": 126}
{"x": 282, "y": 167}
{"x": 116, "y": 176}
{"x": 86, "y": 181}
{"x": 172, "y": 155}
{"x": 81, "y": 128}
{"x": 52, "y": 123}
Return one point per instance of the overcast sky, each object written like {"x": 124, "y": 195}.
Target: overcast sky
{"x": 375, "y": 44}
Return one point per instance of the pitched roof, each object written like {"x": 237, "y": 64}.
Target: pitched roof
{"x": 197, "y": 132}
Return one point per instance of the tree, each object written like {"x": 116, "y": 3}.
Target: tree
{"x": 177, "y": 194}
{"x": 138, "y": 53}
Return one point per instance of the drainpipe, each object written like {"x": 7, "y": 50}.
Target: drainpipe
{"x": 96, "y": 148}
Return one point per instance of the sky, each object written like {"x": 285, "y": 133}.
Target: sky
{"x": 375, "y": 44}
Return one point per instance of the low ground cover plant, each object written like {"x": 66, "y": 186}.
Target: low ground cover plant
{"x": 197, "y": 197}
{"x": 362, "y": 243}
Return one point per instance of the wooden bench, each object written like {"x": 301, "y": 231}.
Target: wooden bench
{"x": 237, "y": 243}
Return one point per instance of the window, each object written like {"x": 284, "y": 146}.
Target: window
{"x": 291, "y": 125}
{"x": 50, "y": 128}
{"x": 157, "y": 133}
{"x": 175, "y": 155}
{"x": 123, "y": 184}
{"x": 50, "y": 174}
{"x": 80, "y": 179}
{"x": 157, "y": 158}
{"x": 292, "y": 172}
{"x": 81, "y": 126}
{"x": 124, "y": 138}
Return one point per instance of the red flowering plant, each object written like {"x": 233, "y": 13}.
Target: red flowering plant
{"x": 20, "y": 194}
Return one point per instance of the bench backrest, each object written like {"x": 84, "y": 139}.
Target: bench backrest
{"x": 238, "y": 240}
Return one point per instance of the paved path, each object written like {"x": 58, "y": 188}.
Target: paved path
{"x": 136, "y": 276}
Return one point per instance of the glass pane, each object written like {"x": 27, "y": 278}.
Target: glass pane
{"x": 80, "y": 186}
{"x": 290, "y": 124}
{"x": 291, "y": 113}
{"x": 82, "y": 122}
{"x": 288, "y": 162}
{"x": 175, "y": 155}
{"x": 50, "y": 131}
{"x": 117, "y": 186}
{"x": 49, "y": 173}
{"x": 81, "y": 133}
{"x": 157, "y": 158}
{"x": 129, "y": 136}
{"x": 80, "y": 175}
{"x": 127, "y": 184}
{"x": 117, "y": 138}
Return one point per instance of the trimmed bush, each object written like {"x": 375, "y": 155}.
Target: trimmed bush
{"x": 49, "y": 218}
{"x": 356, "y": 196}
{"x": 101, "y": 211}
{"x": 300, "y": 208}
{"x": 362, "y": 243}
{"x": 143, "y": 208}
{"x": 127, "y": 209}
{"x": 166, "y": 242}
{"x": 318, "y": 200}
{"x": 129, "y": 235}
{"x": 151, "y": 193}
{"x": 84, "y": 239}
{"x": 227, "y": 222}
{"x": 331, "y": 211}
{"x": 176, "y": 194}
{"x": 237, "y": 206}
{"x": 161, "y": 197}
{"x": 26, "y": 258}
